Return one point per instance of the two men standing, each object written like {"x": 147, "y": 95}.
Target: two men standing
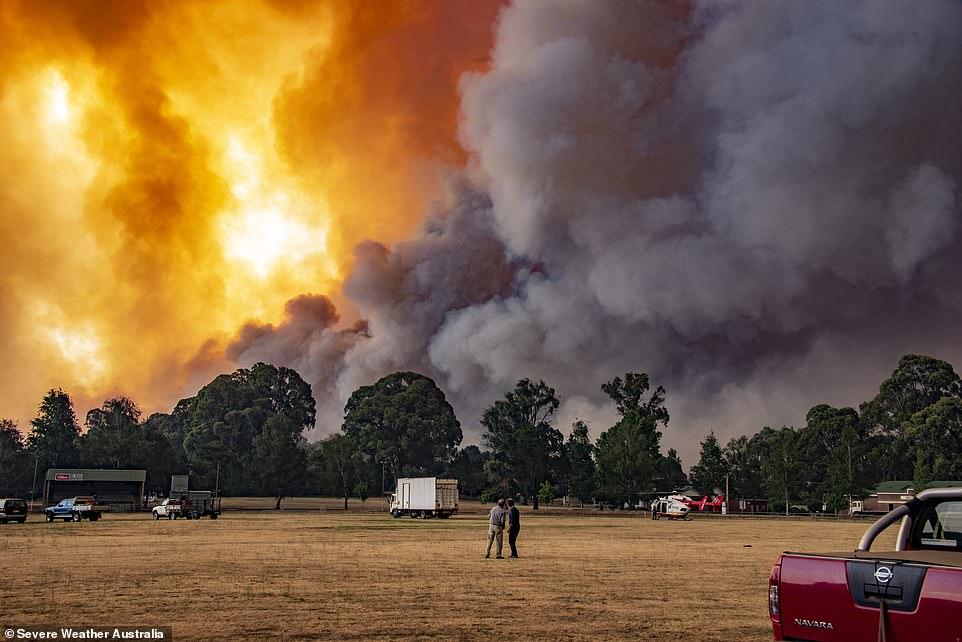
{"x": 496, "y": 522}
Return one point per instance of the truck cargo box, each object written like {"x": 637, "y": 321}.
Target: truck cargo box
{"x": 425, "y": 497}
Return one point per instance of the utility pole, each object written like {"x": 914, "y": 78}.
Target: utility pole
{"x": 727, "y": 507}
{"x": 217, "y": 481}
{"x": 33, "y": 489}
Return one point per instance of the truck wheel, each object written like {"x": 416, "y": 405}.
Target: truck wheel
{"x": 94, "y": 517}
{"x": 213, "y": 515}
{"x": 22, "y": 520}
{"x": 171, "y": 516}
{"x": 76, "y": 517}
{"x": 49, "y": 518}
{"x": 156, "y": 516}
{"x": 395, "y": 514}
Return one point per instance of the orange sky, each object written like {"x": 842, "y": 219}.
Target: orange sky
{"x": 172, "y": 170}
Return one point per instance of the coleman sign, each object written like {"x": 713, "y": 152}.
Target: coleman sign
{"x": 69, "y": 477}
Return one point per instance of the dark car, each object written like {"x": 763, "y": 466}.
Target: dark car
{"x": 13, "y": 510}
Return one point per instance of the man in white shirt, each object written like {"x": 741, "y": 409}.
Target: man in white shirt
{"x": 496, "y": 519}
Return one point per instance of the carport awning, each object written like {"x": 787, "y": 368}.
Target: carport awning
{"x": 96, "y": 475}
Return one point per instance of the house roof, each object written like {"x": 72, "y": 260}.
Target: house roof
{"x": 900, "y": 486}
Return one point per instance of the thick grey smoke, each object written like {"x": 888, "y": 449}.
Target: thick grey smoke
{"x": 756, "y": 203}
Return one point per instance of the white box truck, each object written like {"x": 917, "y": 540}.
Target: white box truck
{"x": 425, "y": 497}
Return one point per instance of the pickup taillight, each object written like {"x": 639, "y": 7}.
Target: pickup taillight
{"x": 774, "y": 578}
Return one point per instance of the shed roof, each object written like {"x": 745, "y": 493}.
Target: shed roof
{"x": 97, "y": 474}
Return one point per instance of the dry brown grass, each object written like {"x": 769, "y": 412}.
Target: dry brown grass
{"x": 329, "y": 574}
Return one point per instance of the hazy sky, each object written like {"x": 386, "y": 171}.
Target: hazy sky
{"x": 756, "y": 203}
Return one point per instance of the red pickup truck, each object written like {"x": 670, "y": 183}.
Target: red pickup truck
{"x": 911, "y": 593}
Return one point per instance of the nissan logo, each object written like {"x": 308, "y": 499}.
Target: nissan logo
{"x": 883, "y": 574}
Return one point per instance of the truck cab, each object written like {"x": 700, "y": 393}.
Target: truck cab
{"x": 911, "y": 593}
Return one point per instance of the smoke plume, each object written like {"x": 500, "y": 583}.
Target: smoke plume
{"x": 756, "y": 203}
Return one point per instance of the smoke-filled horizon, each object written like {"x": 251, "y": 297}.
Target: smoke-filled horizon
{"x": 757, "y": 204}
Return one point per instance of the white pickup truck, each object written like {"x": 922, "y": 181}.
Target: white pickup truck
{"x": 170, "y": 508}
{"x": 192, "y": 505}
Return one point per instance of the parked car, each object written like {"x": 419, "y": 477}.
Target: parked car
{"x": 76, "y": 509}
{"x": 13, "y": 510}
{"x": 911, "y": 593}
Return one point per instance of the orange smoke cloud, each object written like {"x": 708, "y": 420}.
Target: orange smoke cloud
{"x": 174, "y": 170}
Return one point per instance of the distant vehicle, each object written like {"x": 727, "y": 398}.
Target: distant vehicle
{"x": 13, "y": 510}
{"x": 170, "y": 508}
{"x": 425, "y": 497}
{"x": 672, "y": 507}
{"x": 76, "y": 509}
{"x": 193, "y": 504}
{"x": 911, "y": 593}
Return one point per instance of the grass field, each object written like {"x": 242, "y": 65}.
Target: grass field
{"x": 327, "y": 574}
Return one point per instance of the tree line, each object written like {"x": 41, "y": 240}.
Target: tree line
{"x": 911, "y": 430}
{"x": 243, "y": 433}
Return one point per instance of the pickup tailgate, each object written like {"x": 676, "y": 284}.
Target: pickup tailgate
{"x": 838, "y": 598}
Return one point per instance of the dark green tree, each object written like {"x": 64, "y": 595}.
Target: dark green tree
{"x": 744, "y": 456}
{"x": 279, "y": 460}
{"x": 708, "y": 475}
{"x": 832, "y": 449}
{"x": 917, "y": 382}
{"x": 526, "y": 450}
{"x": 281, "y": 390}
{"x": 672, "y": 471}
{"x": 781, "y": 467}
{"x": 629, "y": 398}
{"x": 115, "y": 438}
{"x": 404, "y": 422}
{"x": 624, "y": 460}
{"x": 171, "y": 427}
{"x": 616, "y": 452}
{"x": 111, "y": 440}
{"x": 219, "y": 424}
{"x": 16, "y": 464}
{"x": 54, "y": 436}
{"x": 580, "y": 479}
{"x": 935, "y": 436}
{"x": 339, "y": 466}
{"x": 468, "y": 468}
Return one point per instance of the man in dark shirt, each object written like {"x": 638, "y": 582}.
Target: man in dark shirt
{"x": 514, "y": 525}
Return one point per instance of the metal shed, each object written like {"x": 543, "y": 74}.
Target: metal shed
{"x": 121, "y": 489}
